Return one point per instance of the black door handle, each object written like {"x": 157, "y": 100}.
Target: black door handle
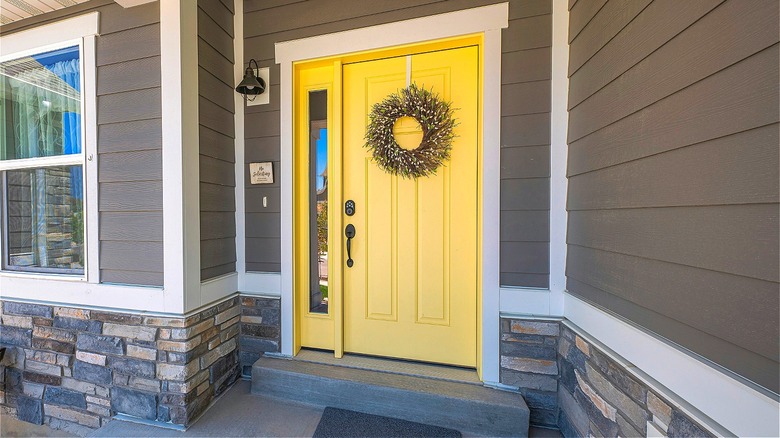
{"x": 350, "y": 233}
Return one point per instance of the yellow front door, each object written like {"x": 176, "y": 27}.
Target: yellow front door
{"x": 412, "y": 291}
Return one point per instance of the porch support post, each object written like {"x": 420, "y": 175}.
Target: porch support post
{"x": 180, "y": 153}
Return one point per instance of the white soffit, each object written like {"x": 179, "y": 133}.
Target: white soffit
{"x": 15, "y": 10}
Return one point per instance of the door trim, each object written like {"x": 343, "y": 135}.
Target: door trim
{"x": 487, "y": 20}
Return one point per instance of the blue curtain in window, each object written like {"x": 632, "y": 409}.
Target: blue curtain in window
{"x": 70, "y": 72}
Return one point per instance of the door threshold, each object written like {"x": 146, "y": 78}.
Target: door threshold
{"x": 391, "y": 366}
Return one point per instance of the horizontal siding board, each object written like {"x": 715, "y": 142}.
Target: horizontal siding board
{"x": 525, "y": 194}
{"x": 737, "y": 239}
{"x": 129, "y": 106}
{"x": 218, "y": 12}
{"x": 612, "y": 18}
{"x": 263, "y": 267}
{"x": 254, "y": 199}
{"x": 115, "y": 18}
{"x": 262, "y": 149}
{"x": 229, "y": 4}
{"x": 524, "y": 280}
{"x": 525, "y": 98}
{"x": 527, "y": 33}
{"x": 762, "y": 370}
{"x": 680, "y": 292}
{"x": 217, "y": 271}
{"x": 263, "y": 250}
{"x": 580, "y": 14}
{"x": 217, "y": 225}
{"x": 136, "y": 43}
{"x": 737, "y": 169}
{"x": 210, "y": 32}
{"x": 526, "y": 65}
{"x": 131, "y": 166}
{"x": 265, "y": 124}
{"x": 131, "y": 196}
{"x": 128, "y": 76}
{"x": 263, "y": 225}
{"x": 216, "y": 64}
{"x": 259, "y": 5}
{"x": 216, "y": 145}
{"x": 217, "y": 252}
{"x": 299, "y": 15}
{"x": 525, "y": 257}
{"x": 529, "y": 8}
{"x": 525, "y": 226}
{"x": 213, "y": 89}
{"x": 698, "y": 52}
{"x": 525, "y": 130}
{"x": 215, "y": 117}
{"x": 217, "y": 198}
{"x": 131, "y": 256}
{"x": 130, "y": 136}
{"x": 216, "y": 171}
{"x": 741, "y": 97}
{"x": 143, "y": 226}
{"x": 525, "y": 162}
{"x": 649, "y": 31}
{"x": 131, "y": 277}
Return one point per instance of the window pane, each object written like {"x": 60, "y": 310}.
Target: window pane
{"x": 318, "y": 200}
{"x": 45, "y": 219}
{"x": 40, "y": 105}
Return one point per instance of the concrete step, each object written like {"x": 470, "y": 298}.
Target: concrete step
{"x": 469, "y": 408}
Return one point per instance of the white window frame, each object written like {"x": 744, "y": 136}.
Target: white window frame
{"x": 83, "y": 290}
{"x": 44, "y": 162}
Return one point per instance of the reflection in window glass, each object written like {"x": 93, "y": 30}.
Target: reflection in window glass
{"x": 318, "y": 200}
{"x": 40, "y": 105}
{"x": 45, "y": 219}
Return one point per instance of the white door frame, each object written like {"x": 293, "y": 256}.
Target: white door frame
{"x": 487, "y": 20}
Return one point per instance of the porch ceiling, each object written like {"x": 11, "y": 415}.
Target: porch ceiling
{"x": 15, "y": 10}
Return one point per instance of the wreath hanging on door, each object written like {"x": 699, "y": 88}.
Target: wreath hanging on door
{"x": 434, "y": 116}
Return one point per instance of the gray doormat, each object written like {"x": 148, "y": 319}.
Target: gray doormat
{"x": 343, "y": 423}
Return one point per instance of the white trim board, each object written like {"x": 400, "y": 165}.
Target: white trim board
{"x": 559, "y": 127}
{"x": 36, "y": 40}
{"x": 488, "y": 20}
{"x": 694, "y": 385}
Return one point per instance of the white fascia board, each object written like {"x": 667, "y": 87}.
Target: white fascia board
{"x": 706, "y": 394}
{"x": 132, "y": 3}
{"x": 220, "y": 287}
{"x": 37, "y": 39}
{"x": 262, "y": 283}
{"x": 517, "y": 301}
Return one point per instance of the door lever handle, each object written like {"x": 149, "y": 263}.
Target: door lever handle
{"x": 350, "y": 233}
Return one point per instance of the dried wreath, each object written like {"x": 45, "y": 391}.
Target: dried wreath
{"x": 434, "y": 116}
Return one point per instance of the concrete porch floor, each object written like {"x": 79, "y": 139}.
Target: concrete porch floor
{"x": 237, "y": 414}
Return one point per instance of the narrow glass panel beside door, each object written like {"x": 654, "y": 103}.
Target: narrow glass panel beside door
{"x": 318, "y": 200}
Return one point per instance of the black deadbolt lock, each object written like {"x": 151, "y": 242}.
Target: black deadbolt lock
{"x": 349, "y": 207}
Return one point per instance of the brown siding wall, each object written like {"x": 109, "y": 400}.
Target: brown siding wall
{"x": 217, "y": 138}
{"x": 129, "y": 138}
{"x": 525, "y": 123}
{"x": 673, "y": 172}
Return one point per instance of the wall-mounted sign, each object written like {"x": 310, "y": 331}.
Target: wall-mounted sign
{"x": 261, "y": 173}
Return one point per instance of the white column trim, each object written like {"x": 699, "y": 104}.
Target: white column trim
{"x": 559, "y": 126}
{"x": 708, "y": 395}
{"x": 488, "y": 19}
{"x": 525, "y": 301}
{"x": 180, "y": 153}
{"x": 240, "y": 145}
{"x": 91, "y": 180}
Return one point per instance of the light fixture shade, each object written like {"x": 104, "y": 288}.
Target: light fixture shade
{"x": 251, "y": 85}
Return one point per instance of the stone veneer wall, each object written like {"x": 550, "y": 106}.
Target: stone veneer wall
{"x": 260, "y": 329}
{"x": 570, "y": 383}
{"x": 74, "y": 368}
{"x": 529, "y": 361}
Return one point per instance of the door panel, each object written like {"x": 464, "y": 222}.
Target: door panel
{"x": 412, "y": 292}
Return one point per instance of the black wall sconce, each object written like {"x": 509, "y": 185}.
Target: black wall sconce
{"x": 251, "y": 85}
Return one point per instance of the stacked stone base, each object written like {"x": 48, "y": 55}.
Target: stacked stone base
{"x": 75, "y": 368}
{"x": 571, "y": 384}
